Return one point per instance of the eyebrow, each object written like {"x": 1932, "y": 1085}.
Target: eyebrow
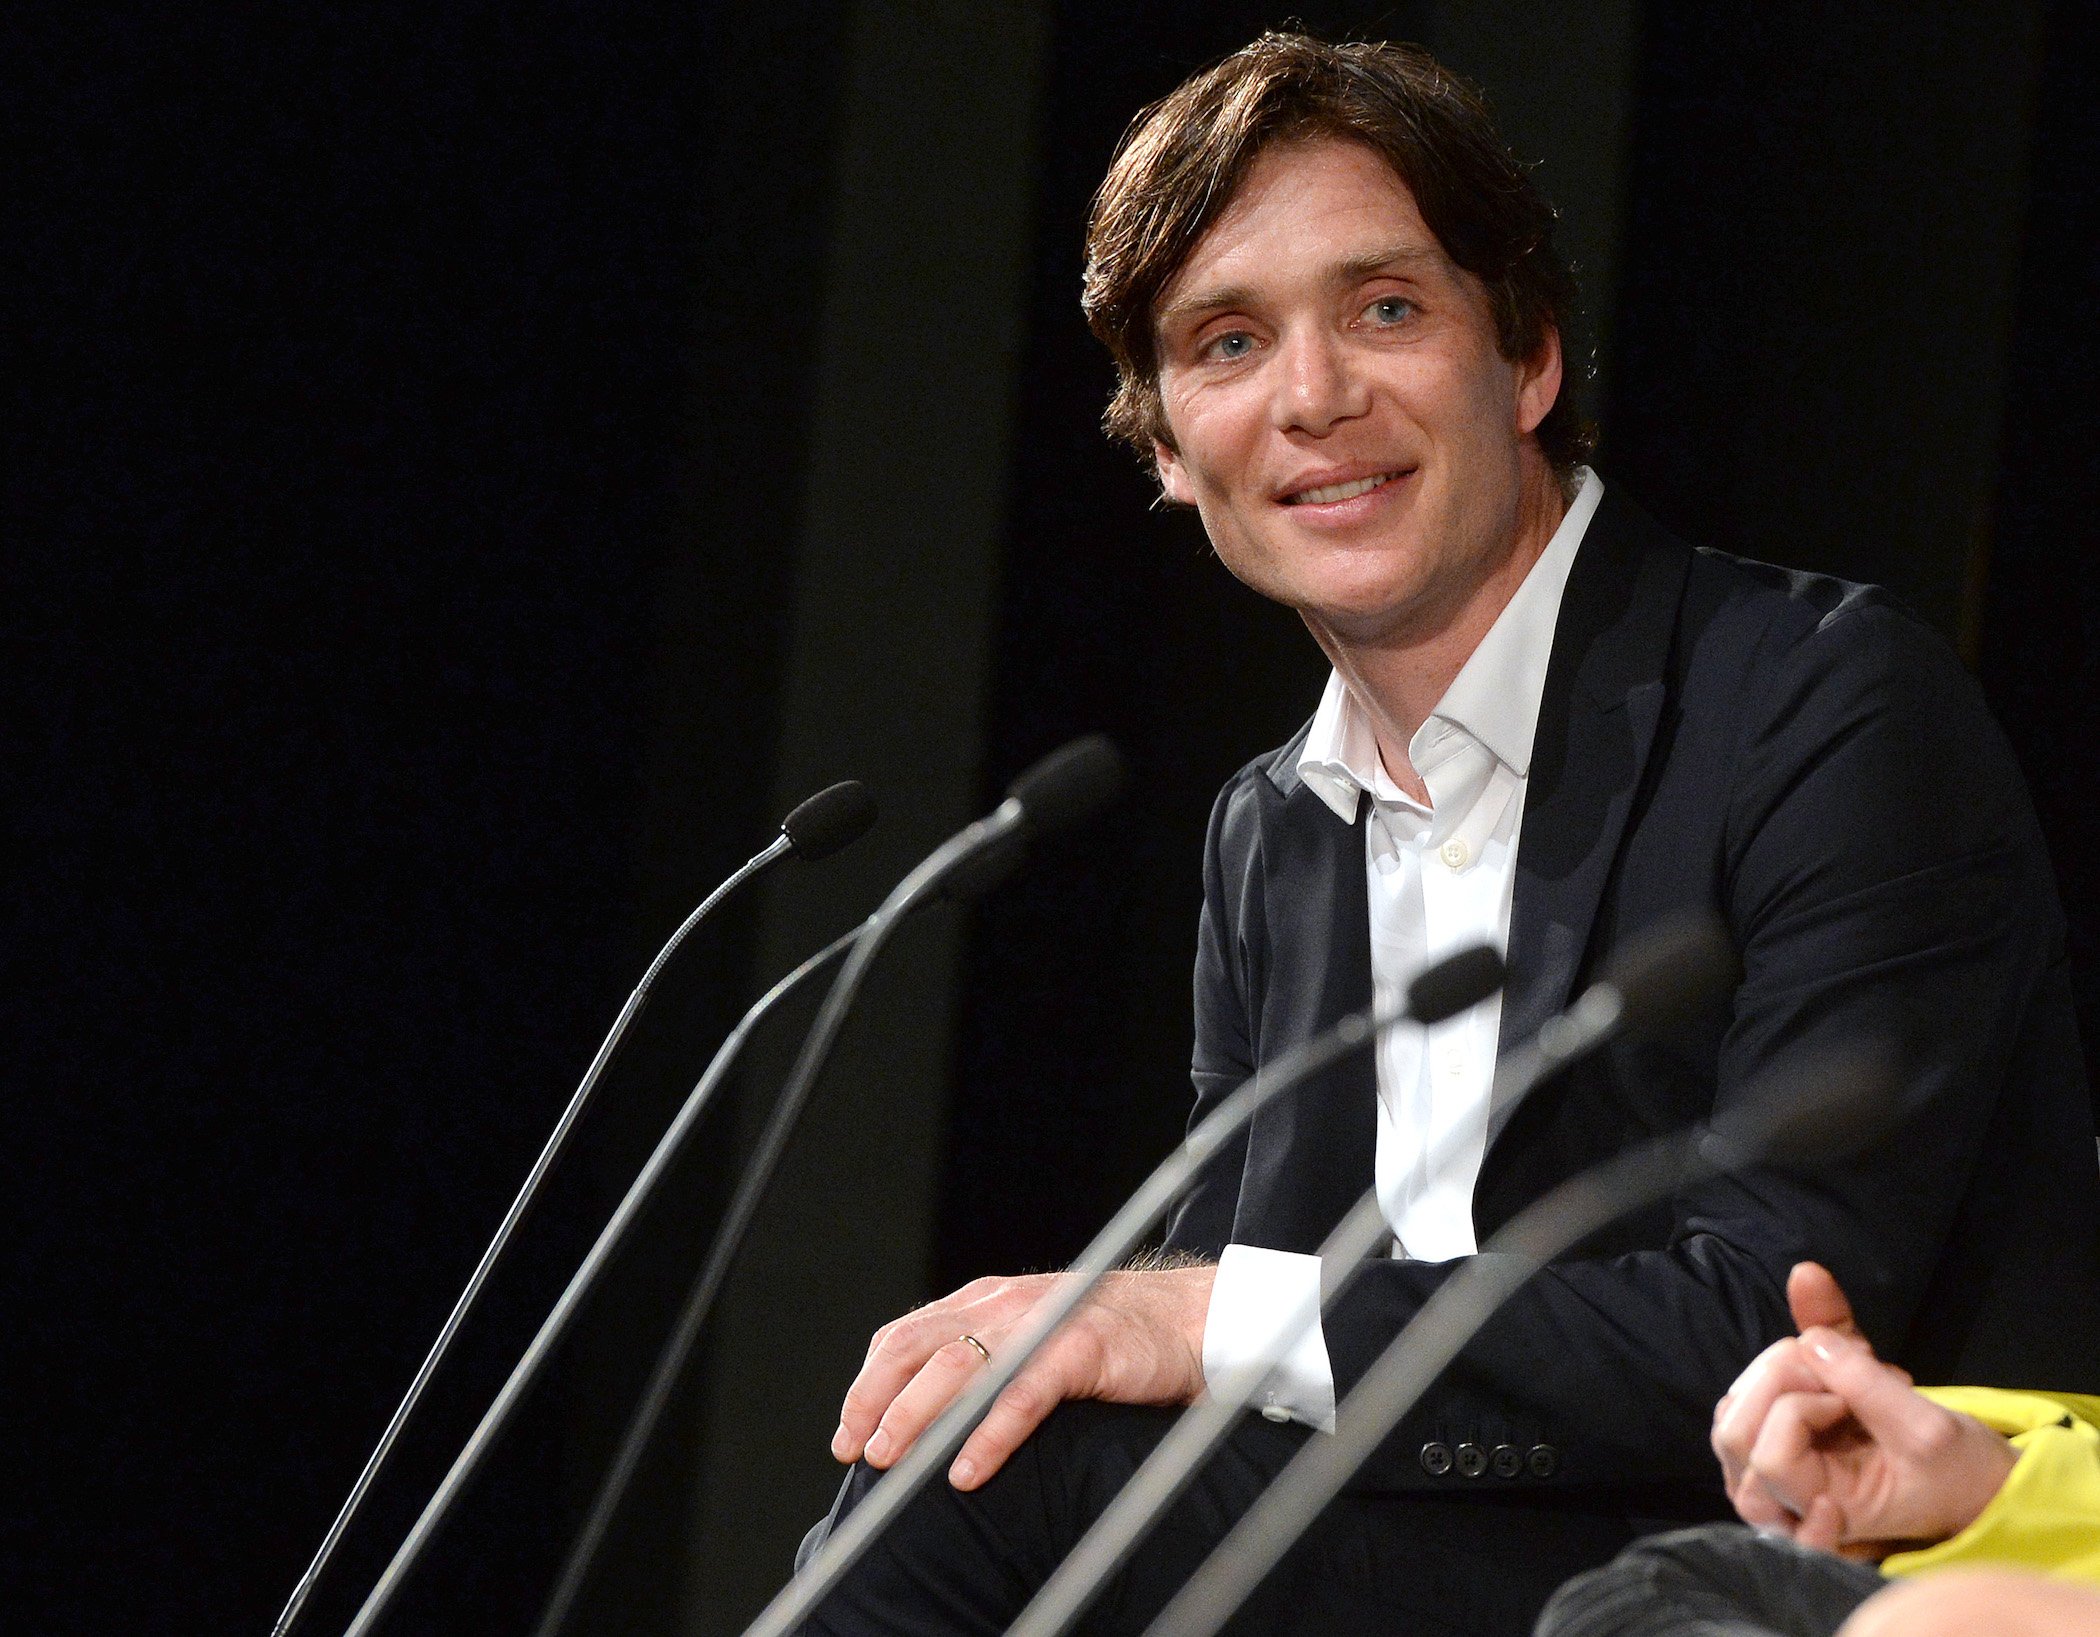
{"x": 1393, "y": 259}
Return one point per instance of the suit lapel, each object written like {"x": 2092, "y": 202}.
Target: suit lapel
{"x": 1598, "y": 715}
{"x": 1310, "y": 1153}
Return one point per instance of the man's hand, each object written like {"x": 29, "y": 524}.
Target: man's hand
{"x": 1821, "y": 1441}
{"x": 1138, "y": 1339}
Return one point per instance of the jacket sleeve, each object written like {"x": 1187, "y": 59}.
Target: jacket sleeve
{"x": 1881, "y": 875}
{"x": 2046, "y": 1517}
{"x": 1224, "y": 1052}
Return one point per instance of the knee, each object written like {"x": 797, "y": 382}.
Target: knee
{"x": 1959, "y": 1603}
{"x": 1665, "y": 1583}
{"x": 1599, "y": 1602}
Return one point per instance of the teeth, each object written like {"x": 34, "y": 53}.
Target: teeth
{"x": 1341, "y": 491}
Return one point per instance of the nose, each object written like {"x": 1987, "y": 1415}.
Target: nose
{"x": 1317, "y": 387}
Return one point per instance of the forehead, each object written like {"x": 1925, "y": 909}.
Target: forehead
{"x": 1304, "y": 207}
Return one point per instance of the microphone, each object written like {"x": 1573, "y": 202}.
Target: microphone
{"x": 833, "y": 818}
{"x": 1063, "y": 788}
{"x": 1842, "y": 1103}
{"x": 1443, "y": 990}
{"x": 972, "y": 878}
{"x": 1668, "y": 973}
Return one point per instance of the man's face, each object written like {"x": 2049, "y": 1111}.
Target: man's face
{"x": 1357, "y": 447}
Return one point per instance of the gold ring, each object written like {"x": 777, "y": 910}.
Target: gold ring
{"x": 982, "y": 1352}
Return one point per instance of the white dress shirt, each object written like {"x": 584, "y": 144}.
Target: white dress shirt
{"x": 1440, "y": 877}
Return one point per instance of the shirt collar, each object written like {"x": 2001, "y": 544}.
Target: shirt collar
{"x": 1494, "y": 699}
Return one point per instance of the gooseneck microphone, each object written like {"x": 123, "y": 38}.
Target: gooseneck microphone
{"x": 974, "y": 876}
{"x": 1667, "y": 974}
{"x": 833, "y": 818}
{"x": 1839, "y": 1104}
{"x": 1062, "y": 788}
{"x": 1443, "y": 990}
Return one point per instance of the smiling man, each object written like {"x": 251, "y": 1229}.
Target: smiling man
{"x": 1337, "y": 316}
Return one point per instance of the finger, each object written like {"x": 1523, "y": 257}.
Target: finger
{"x": 1740, "y": 1415}
{"x": 1014, "y": 1414}
{"x": 1817, "y": 1300}
{"x": 1784, "y": 1459}
{"x": 945, "y": 1374}
{"x": 1821, "y": 1525}
{"x": 899, "y": 1351}
{"x": 1882, "y": 1399}
{"x": 1761, "y": 1509}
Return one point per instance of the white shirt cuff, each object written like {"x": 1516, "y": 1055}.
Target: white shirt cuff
{"x": 1261, "y": 1300}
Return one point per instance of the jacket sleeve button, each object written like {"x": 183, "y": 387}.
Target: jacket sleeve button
{"x": 1436, "y": 1459}
{"x": 1505, "y": 1460}
{"x": 1472, "y": 1460}
{"x": 1544, "y": 1460}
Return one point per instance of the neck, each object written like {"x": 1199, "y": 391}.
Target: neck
{"x": 1398, "y": 677}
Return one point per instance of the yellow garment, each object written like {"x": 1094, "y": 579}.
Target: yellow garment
{"x": 2047, "y": 1515}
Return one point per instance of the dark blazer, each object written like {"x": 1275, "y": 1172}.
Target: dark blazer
{"x": 1806, "y": 759}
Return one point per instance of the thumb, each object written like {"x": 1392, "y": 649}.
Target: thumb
{"x": 1882, "y": 1399}
{"x": 1817, "y": 1300}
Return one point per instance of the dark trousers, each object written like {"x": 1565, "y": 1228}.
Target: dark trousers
{"x": 1722, "y": 1580}
{"x": 1477, "y": 1563}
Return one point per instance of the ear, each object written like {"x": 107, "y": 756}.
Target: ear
{"x": 1538, "y": 384}
{"x": 1173, "y": 475}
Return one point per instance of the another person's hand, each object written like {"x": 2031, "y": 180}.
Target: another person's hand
{"x": 1822, "y": 1442}
{"x": 1137, "y": 1340}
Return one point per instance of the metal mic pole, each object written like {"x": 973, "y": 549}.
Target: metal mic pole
{"x": 1446, "y": 988}
{"x": 609, "y": 1240}
{"x": 1855, "y": 1093}
{"x": 827, "y": 821}
{"x": 1669, "y": 972}
{"x": 1059, "y": 790}
{"x": 1065, "y": 786}
{"x": 979, "y": 877}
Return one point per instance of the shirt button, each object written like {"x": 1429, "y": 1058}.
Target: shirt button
{"x": 1455, "y": 853}
{"x": 1275, "y": 1412}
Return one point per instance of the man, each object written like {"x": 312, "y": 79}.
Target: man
{"x": 1336, "y": 315}
{"x": 1840, "y": 1464}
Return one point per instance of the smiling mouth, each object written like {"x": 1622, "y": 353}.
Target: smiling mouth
{"x": 1341, "y": 491}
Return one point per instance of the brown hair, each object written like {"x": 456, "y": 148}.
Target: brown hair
{"x": 1183, "y": 159}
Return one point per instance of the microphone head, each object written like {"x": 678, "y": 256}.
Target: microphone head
{"x": 986, "y": 868}
{"x": 1839, "y": 1103}
{"x": 1070, "y": 784}
{"x": 832, "y": 818}
{"x": 1454, "y": 983}
{"x": 1672, "y": 970}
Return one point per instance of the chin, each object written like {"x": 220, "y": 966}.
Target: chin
{"x": 1378, "y": 602}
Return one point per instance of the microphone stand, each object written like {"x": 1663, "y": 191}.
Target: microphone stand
{"x": 1459, "y": 982}
{"x": 601, "y": 1252}
{"x": 1063, "y": 787}
{"x": 1670, "y": 973}
{"x": 1859, "y": 1089}
{"x": 777, "y": 849}
{"x": 983, "y": 872}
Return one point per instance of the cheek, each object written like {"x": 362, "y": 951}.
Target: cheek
{"x": 1218, "y": 435}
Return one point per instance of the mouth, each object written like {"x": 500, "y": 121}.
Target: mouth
{"x": 1334, "y": 493}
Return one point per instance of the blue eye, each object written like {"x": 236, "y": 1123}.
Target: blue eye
{"x": 1234, "y": 344}
{"x": 1390, "y": 310}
